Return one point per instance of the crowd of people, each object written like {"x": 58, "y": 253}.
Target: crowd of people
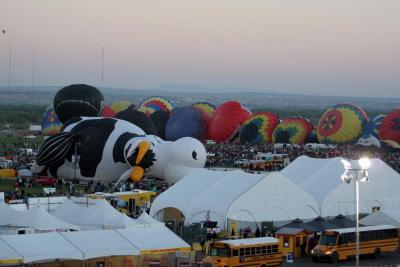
{"x": 227, "y": 155}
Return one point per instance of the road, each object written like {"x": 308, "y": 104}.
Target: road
{"x": 387, "y": 260}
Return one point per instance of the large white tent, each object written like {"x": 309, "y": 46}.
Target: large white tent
{"x": 205, "y": 193}
{"x": 336, "y": 197}
{"x": 274, "y": 198}
{"x": 9, "y": 216}
{"x": 8, "y": 255}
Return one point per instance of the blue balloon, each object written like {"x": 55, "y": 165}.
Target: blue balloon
{"x": 372, "y": 127}
{"x": 185, "y": 122}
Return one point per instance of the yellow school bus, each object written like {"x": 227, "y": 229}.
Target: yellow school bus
{"x": 260, "y": 252}
{"x": 130, "y": 202}
{"x": 339, "y": 244}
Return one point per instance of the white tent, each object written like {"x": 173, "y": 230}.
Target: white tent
{"x": 336, "y": 197}
{"x": 145, "y": 218}
{"x": 205, "y": 192}
{"x": 381, "y": 217}
{"x": 8, "y": 255}
{"x": 155, "y": 238}
{"x": 25, "y": 173}
{"x": 101, "y": 215}
{"x": 102, "y": 243}
{"x": 41, "y": 220}
{"x": 42, "y": 247}
{"x": 10, "y": 216}
{"x": 274, "y": 198}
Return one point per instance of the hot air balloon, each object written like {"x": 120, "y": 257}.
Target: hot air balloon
{"x": 292, "y": 130}
{"x": 373, "y": 125}
{"x": 207, "y": 111}
{"x": 50, "y": 122}
{"x": 390, "y": 126}
{"x": 107, "y": 112}
{"x": 227, "y": 120}
{"x": 185, "y": 122}
{"x": 78, "y": 100}
{"x": 139, "y": 119}
{"x": 312, "y": 136}
{"x": 155, "y": 103}
{"x": 258, "y": 128}
{"x": 121, "y": 105}
{"x": 160, "y": 119}
{"x": 341, "y": 124}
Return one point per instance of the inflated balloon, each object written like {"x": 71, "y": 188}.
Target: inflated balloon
{"x": 390, "y": 146}
{"x": 312, "y": 137}
{"x": 390, "y": 126}
{"x": 207, "y": 109}
{"x": 373, "y": 125}
{"x": 139, "y": 119}
{"x": 78, "y": 100}
{"x": 160, "y": 119}
{"x": 152, "y": 104}
{"x": 292, "y": 130}
{"x": 258, "y": 128}
{"x": 227, "y": 120}
{"x": 113, "y": 150}
{"x": 121, "y": 105}
{"x": 107, "y": 112}
{"x": 341, "y": 124}
{"x": 185, "y": 122}
{"x": 50, "y": 122}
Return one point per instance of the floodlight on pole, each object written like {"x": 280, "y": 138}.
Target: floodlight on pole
{"x": 349, "y": 174}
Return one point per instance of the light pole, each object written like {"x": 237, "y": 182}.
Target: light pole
{"x": 352, "y": 173}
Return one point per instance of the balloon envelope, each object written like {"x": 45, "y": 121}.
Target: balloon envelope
{"x": 107, "y": 112}
{"x": 50, "y": 122}
{"x": 121, "y": 105}
{"x": 390, "y": 126}
{"x": 373, "y": 125}
{"x": 258, "y": 128}
{"x": 185, "y": 122}
{"x": 160, "y": 119}
{"x": 292, "y": 130}
{"x": 227, "y": 120}
{"x": 78, "y": 100}
{"x": 152, "y": 104}
{"x": 139, "y": 119}
{"x": 341, "y": 124}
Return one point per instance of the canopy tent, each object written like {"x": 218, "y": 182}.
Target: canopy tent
{"x": 145, "y": 218}
{"x": 39, "y": 219}
{"x": 336, "y": 197}
{"x": 342, "y": 222}
{"x": 8, "y": 256}
{"x": 273, "y": 198}
{"x": 24, "y": 173}
{"x": 101, "y": 215}
{"x": 102, "y": 243}
{"x": 42, "y": 247}
{"x": 10, "y": 216}
{"x": 388, "y": 217}
{"x": 154, "y": 239}
{"x": 205, "y": 193}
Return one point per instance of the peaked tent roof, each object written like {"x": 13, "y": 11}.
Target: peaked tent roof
{"x": 10, "y": 216}
{"x": 38, "y": 218}
{"x": 8, "y": 254}
{"x": 380, "y": 218}
{"x": 40, "y": 247}
{"x": 147, "y": 219}
{"x": 274, "y": 198}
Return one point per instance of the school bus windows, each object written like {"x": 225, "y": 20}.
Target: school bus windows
{"x": 247, "y": 252}
{"x": 275, "y": 249}
{"x": 263, "y": 249}
{"x": 241, "y": 252}
{"x": 328, "y": 240}
{"x": 235, "y": 253}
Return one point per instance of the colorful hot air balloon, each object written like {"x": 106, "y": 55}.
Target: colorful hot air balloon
{"x": 292, "y": 130}
{"x": 206, "y": 109}
{"x": 227, "y": 120}
{"x": 185, "y": 122}
{"x": 390, "y": 126}
{"x": 341, "y": 124}
{"x": 312, "y": 136}
{"x": 121, "y": 105}
{"x": 50, "y": 122}
{"x": 107, "y": 112}
{"x": 139, "y": 119}
{"x": 258, "y": 128}
{"x": 153, "y": 104}
{"x": 373, "y": 125}
{"x": 78, "y": 100}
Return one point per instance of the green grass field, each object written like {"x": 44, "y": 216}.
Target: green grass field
{"x": 21, "y": 142}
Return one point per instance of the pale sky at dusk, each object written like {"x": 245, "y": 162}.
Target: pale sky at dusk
{"x": 332, "y": 47}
